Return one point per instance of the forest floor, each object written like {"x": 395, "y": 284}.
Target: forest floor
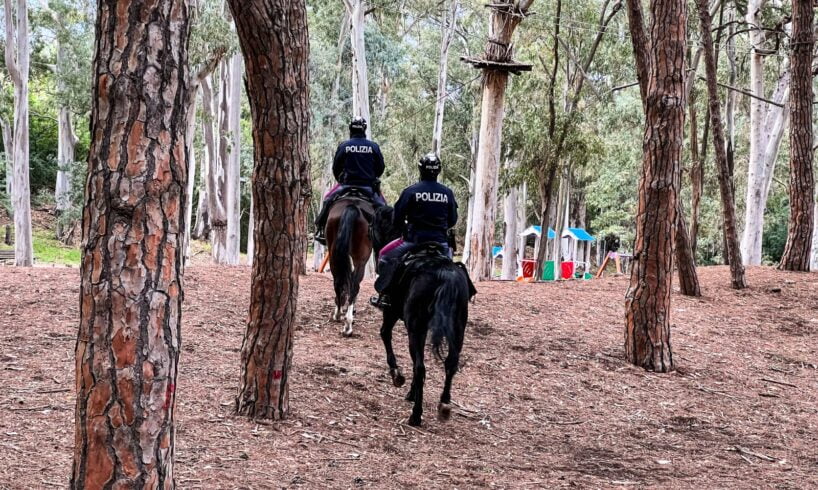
{"x": 544, "y": 398}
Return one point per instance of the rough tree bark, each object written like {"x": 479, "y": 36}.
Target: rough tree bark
{"x": 696, "y": 175}
{"x": 17, "y": 63}
{"x": 802, "y": 182}
{"x": 728, "y": 206}
{"x": 360, "y": 77}
{"x": 647, "y": 318}
{"x": 684, "y": 254}
{"x": 449, "y": 26}
{"x": 767, "y": 124}
{"x": 128, "y": 345}
{"x": 505, "y": 17}
{"x": 274, "y": 39}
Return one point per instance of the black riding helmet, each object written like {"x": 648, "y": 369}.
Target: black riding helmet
{"x": 430, "y": 165}
{"x": 357, "y": 125}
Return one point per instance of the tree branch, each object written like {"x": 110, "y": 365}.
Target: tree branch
{"x": 745, "y": 92}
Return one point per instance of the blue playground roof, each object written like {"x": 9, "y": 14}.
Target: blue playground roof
{"x": 578, "y": 234}
{"x": 537, "y": 230}
{"x": 496, "y": 251}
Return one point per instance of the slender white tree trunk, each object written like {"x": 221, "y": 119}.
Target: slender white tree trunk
{"x": 470, "y": 216}
{"x": 65, "y": 150}
{"x": 190, "y": 137}
{"x": 233, "y": 162}
{"x": 511, "y": 232}
{"x": 449, "y": 25}
{"x": 251, "y": 233}
{"x": 215, "y": 176}
{"x": 767, "y": 124}
{"x": 814, "y": 256}
{"x": 8, "y": 152}
{"x": 17, "y": 64}
{"x": 360, "y": 77}
{"x": 521, "y": 219}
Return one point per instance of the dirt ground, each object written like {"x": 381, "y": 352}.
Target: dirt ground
{"x": 544, "y": 398}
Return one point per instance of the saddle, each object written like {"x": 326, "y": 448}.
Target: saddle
{"x": 356, "y": 194}
{"x": 429, "y": 255}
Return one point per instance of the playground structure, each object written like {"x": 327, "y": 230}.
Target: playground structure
{"x": 576, "y": 254}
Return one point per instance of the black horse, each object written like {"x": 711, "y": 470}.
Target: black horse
{"x": 431, "y": 295}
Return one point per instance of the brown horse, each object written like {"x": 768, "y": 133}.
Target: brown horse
{"x": 350, "y": 248}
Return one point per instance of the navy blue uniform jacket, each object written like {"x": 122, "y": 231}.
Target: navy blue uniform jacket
{"x": 425, "y": 211}
{"x": 358, "y": 161}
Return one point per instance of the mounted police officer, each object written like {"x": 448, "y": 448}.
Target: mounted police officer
{"x": 424, "y": 213}
{"x": 358, "y": 163}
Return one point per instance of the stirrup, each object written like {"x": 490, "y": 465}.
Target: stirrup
{"x": 320, "y": 238}
{"x": 380, "y": 302}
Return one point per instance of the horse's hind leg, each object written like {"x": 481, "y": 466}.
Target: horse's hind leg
{"x": 418, "y": 378}
{"x": 354, "y": 287}
{"x": 389, "y": 321}
{"x": 444, "y": 408}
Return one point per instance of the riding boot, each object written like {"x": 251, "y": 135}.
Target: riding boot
{"x": 321, "y": 223}
{"x": 386, "y": 270}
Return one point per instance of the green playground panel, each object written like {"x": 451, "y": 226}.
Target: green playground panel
{"x": 548, "y": 271}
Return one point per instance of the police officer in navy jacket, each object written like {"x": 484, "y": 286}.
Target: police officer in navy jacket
{"x": 424, "y": 213}
{"x": 358, "y": 162}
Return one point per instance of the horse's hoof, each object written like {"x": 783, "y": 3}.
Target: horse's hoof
{"x": 414, "y": 421}
{"x": 398, "y": 380}
{"x": 444, "y": 412}
{"x": 347, "y": 333}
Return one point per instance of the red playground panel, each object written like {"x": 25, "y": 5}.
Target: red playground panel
{"x": 568, "y": 270}
{"x": 528, "y": 267}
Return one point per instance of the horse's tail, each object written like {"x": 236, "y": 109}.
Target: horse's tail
{"x": 445, "y": 310}
{"x": 341, "y": 261}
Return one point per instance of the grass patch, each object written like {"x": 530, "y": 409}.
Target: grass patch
{"x": 49, "y": 250}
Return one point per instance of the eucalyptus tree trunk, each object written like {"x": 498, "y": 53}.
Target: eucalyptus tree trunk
{"x": 505, "y": 17}
{"x": 275, "y": 42}
{"x": 767, "y": 123}
{"x": 201, "y": 230}
{"x": 802, "y": 181}
{"x": 65, "y": 153}
{"x": 233, "y": 162}
{"x": 8, "y": 152}
{"x": 360, "y": 76}
{"x": 696, "y": 175}
{"x": 128, "y": 346}
{"x": 449, "y": 26}
{"x": 215, "y": 178}
{"x": 190, "y": 137}
{"x": 17, "y": 63}
{"x": 647, "y": 307}
{"x": 814, "y": 254}
{"x": 511, "y": 205}
{"x": 728, "y": 206}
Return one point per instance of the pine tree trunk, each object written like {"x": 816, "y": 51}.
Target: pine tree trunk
{"x": 802, "y": 181}
{"x": 728, "y": 206}
{"x": 685, "y": 260}
{"x": 251, "y": 227}
{"x": 274, "y": 39}
{"x": 128, "y": 346}
{"x": 17, "y": 64}
{"x": 449, "y": 25}
{"x": 647, "y": 319}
